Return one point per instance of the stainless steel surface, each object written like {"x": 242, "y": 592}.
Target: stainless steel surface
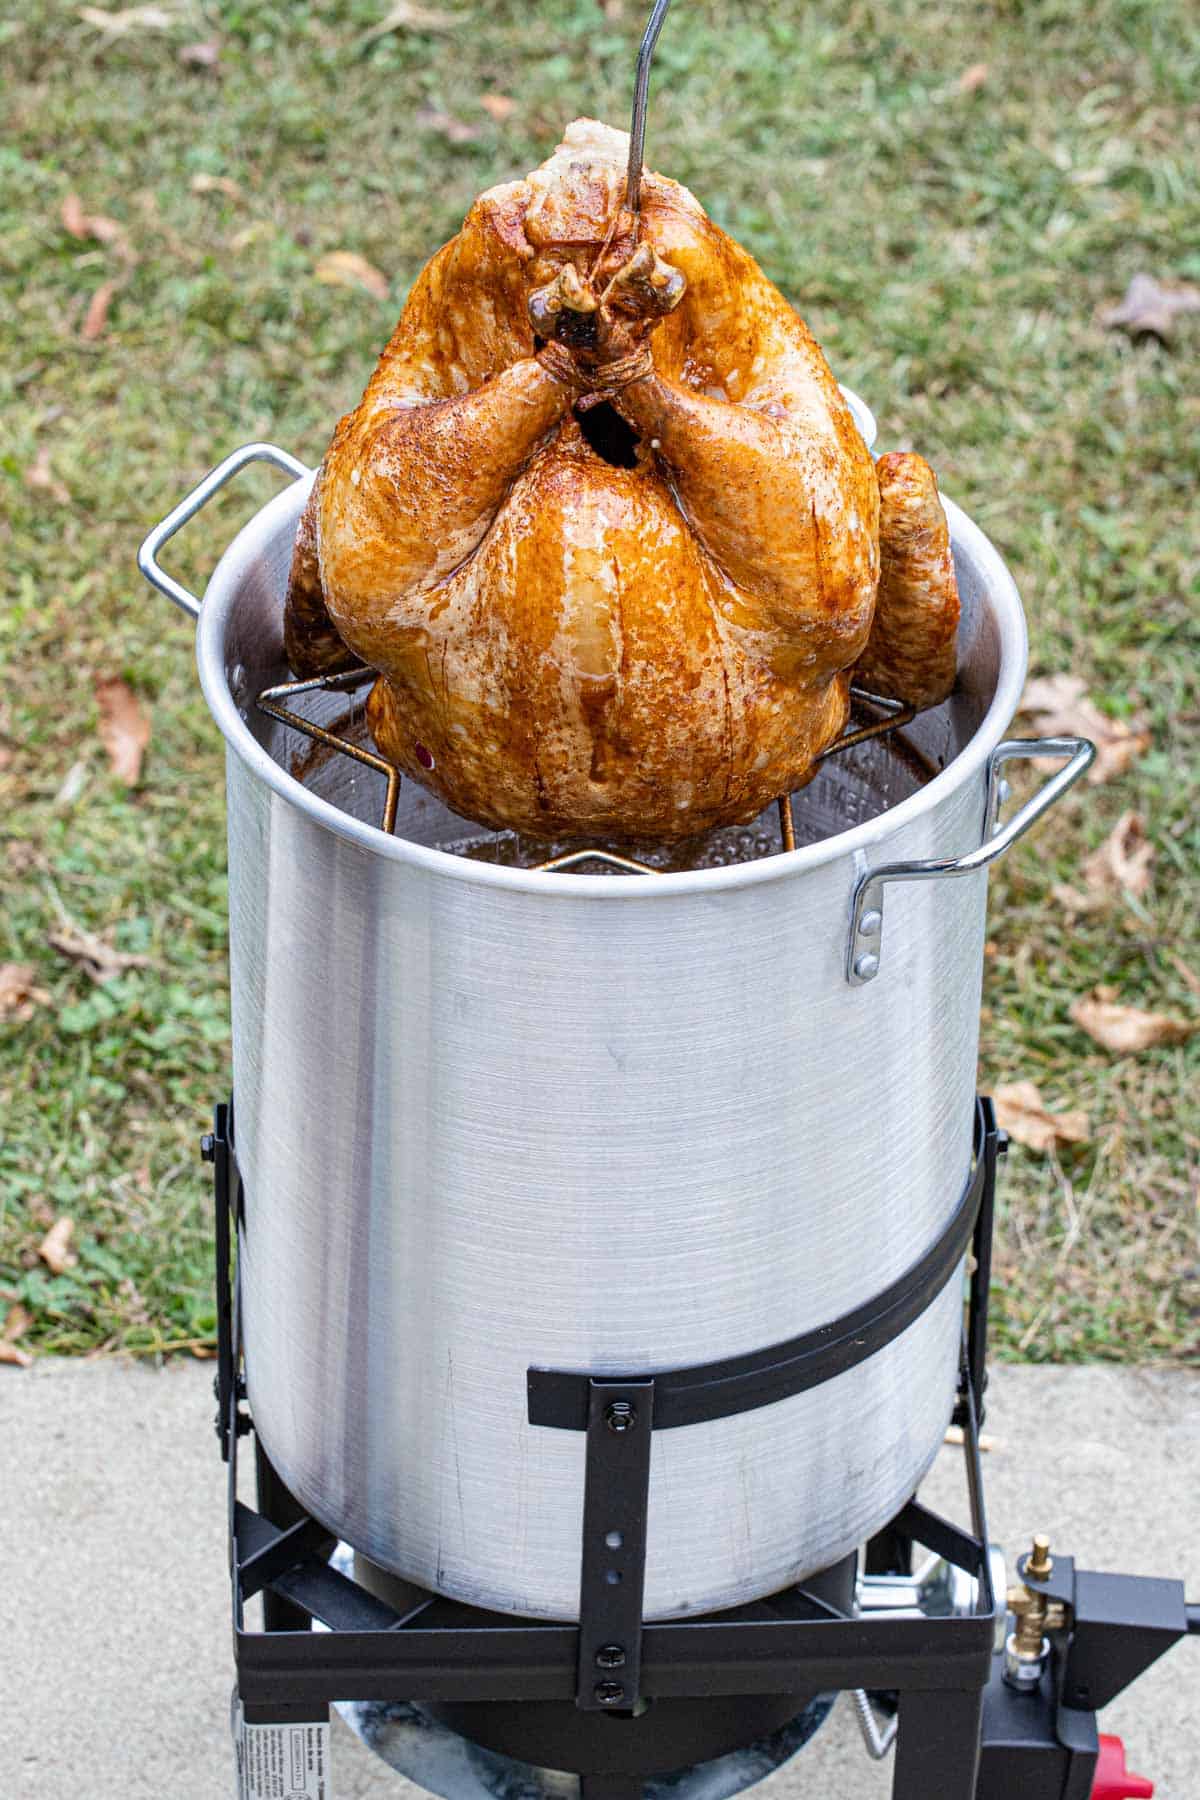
{"x": 190, "y": 505}
{"x": 490, "y": 1116}
{"x": 866, "y": 913}
{"x": 641, "y": 93}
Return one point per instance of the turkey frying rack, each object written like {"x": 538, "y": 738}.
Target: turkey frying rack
{"x": 275, "y": 703}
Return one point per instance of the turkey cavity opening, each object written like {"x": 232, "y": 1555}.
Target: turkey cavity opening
{"x": 608, "y": 434}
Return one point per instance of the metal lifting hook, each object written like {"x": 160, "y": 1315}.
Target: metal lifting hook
{"x": 637, "y": 128}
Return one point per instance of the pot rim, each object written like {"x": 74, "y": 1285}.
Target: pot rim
{"x": 220, "y": 602}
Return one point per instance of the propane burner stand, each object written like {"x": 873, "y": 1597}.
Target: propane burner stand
{"x": 962, "y": 1732}
{"x": 275, "y": 703}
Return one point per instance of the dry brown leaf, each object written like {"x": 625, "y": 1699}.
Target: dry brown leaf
{"x": 1149, "y": 309}
{"x": 1025, "y": 1116}
{"x": 39, "y": 474}
{"x": 972, "y": 79}
{"x": 1122, "y": 864}
{"x": 499, "y": 106}
{"x": 55, "y": 1248}
{"x": 95, "y": 955}
{"x": 1059, "y": 705}
{"x": 1128, "y": 1028}
{"x": 1123, "y": 861}
{"x": 216, "y": 184}
{"x": 85, "y": 225}
{"x": 13, "y": 1354}
{"x": 406, "y": 15}
{"x": 19, "y": 993}
{"x": 345, "y": 268}
{"x": 124, "y": 728}
{"x": 17, "y": 1323}
{"x": 96, "y": 317}
{"x": 249, "y": 234}
{"x": 455, "y": 131}
{"x": 202, "y": 56}
{"x": 1189, "y": 975}
{"x": 132, "y": 18}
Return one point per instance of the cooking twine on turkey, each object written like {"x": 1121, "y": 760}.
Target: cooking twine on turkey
{"x": 604, "y": 524}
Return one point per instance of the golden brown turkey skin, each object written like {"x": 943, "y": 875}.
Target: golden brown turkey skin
{"x": 583, "y": 648}
{"x": 910, "y": 654}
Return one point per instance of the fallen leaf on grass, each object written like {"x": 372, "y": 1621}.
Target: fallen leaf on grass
{"x": 972, "y": 79}
{"x": 95, "y": 955}
{"x": 499, "y": 106}
{"x": 202, "y": 56}
{"x": 1122, "y": 864}
{"x": 39, "y": 474}
{"x": 19, "y": 992}
{"x": 96, "y": 317}
{"x": 55, "y": 1248}
{"x": 1189, "y": 975}
{"x": 1059, "y": 706}
{"x": 17, "y": 1323}
{"x": 455, "y": 131}
{"x": 1127, "y": 1028}
{"x": 85, "y": 225}
{"x": 406, "y": 15}
{"x": 132, "y": 18}
{"x": 1025, "y": 1116}
{"x": 14, "y": 1355}
{"x": 345, "y": 268}
{"x": 216, "y": 184}
{"x": 1149, "y": 309}
{"x": 124, "y": 728}
{"x": 73, "y": 784}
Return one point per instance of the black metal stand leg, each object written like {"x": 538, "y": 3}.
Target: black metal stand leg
{"x": 275, "y": 1502}
{"x": 937, "y": 1748}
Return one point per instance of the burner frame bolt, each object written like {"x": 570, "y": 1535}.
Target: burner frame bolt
{"x": 609, "y": 1693}
{"x": 610, "y": 1656}
{"x": 620, "y": 1415}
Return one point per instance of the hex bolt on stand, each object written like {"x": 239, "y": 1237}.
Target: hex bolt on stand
{"x": 967, "y": 1720}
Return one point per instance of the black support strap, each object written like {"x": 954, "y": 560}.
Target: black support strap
{"x": 717, "y": 1390}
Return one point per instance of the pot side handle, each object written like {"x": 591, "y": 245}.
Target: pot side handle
{"x": 864, "y": 945}
{"x": 187, "y": 509}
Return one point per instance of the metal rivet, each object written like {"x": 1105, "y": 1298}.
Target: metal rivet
{"x": 609, "y": 1693}
{"x": 619, "y": 1415}
{"x": 610, "y": 1656}
{"x": 870, "y": 923}
{"x": 866, "y": 967}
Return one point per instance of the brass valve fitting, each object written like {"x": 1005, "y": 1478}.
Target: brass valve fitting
{"x": 1027, "y": 1648}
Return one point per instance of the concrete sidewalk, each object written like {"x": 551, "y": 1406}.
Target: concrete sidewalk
{"x": 116, "y": 1606}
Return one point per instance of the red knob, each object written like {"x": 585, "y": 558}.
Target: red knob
{"x": 1113, "y": 1780}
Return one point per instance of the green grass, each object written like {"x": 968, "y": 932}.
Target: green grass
{"x": 949, "y": 249}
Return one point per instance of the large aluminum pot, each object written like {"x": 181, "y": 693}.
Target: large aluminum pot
{"x": 491, "y": 1118}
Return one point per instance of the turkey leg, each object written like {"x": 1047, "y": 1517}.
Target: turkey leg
{"x": 750, "y": 483}
{"x": 912, "y": 650}
{"x": 418, "y": 487}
